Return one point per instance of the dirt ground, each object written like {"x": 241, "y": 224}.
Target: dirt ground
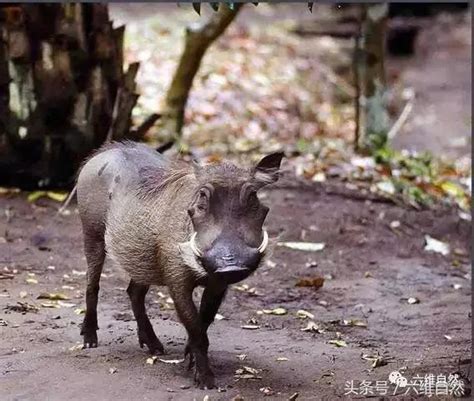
{"x": 370, "y": 271}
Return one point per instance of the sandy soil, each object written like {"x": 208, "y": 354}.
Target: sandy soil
{"x": 370, "y": 269}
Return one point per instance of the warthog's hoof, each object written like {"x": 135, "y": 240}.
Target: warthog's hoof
{"x": 90, "y": 339}
{"x": 152, "y": 342}
{"x": 205, "y": 381}
{"x": 187, "y": 352}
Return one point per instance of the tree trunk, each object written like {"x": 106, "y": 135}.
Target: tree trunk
{"x": 372, "y": 121}
{"x": 198, "y": 39}
{"x": 61, "y": 68}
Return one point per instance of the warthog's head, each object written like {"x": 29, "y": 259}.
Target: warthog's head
{"x": 229, "y": 240}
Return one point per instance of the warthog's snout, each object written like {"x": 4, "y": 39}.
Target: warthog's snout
{"x": 231, "y": 260}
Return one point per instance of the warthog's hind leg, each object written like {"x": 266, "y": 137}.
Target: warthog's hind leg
{"x": 95, "y": 255}
{"x": 146, "y": 334}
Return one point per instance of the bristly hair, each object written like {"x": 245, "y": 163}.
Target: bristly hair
{"x": 222, "y": 174}
{"x": 154, "y": 180}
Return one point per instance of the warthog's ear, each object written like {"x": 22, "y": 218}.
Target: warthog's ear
{"x": 197, "y": 168}
{"x": 267, "y": 169}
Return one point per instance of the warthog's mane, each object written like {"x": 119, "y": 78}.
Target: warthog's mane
{"x": 156, "y": 180}
{"x": 224, "y": 174}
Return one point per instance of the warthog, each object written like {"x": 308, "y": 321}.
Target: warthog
{"x": 169, "y": 223}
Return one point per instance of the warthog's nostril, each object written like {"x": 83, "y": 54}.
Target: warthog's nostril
{"x": 228, "y": 258}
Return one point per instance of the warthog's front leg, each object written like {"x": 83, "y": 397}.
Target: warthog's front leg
{"x": 210, "y": 302}
{"x": 198, "y": 342}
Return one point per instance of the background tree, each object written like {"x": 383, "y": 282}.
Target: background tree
{"x": 61, "y": 76}
{"x": 198, "y": 38}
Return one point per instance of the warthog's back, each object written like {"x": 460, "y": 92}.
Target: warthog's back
{"x": 111, "y": 174}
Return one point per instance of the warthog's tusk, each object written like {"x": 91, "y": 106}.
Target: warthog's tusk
{"x": 194, "y": 247}
{"x": 264, "y": 243}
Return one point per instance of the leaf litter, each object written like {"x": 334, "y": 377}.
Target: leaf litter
{"x": 248, "y": 373}
{"x": 313, "y": 282}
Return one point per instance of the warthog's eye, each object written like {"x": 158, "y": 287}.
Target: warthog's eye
{"x": 252, "y": 201}
{"x": 201, "y": 203}
{"x": 203, "y": 200}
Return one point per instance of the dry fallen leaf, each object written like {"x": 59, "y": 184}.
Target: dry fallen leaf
{"x": 338, "y": 343}
{"x": 314, "y": 282}
{"x": 386, "y": 186}
{"x": 267, "y": 391}
{"x": 354, "y": 323}
{"x": 151, "y": 360}
{"x": 312, "y": 326}
{"x": 376, "y": 360}
{"x": 79, "y": 311}
{"x": 435, "y": 245}
{"x": 247, "y": 372}
{"x": 66, "y": 304}
{"x": 276, "y": 311}
{"x": 319, "y": 177}
{"x": 112, "y": 370}
{"x": 302, "y": 314}
{"x": 22, "y": 307}
{"x": 77, "y": 347}
{"x": 242, "y": 356}
{"x": 245, "y": 288}
{"x": 23, "y": 294}
{"x": 413, "y": 300}
{"x": 171, "y": 361}
{"x": 79, "y": 273}
{"x": 53, "y": 296}
{"x": 31, "y": 280}
{"x": 282, "y": 359}
{"x": 250, "y": 327}
{"x": 304, "y": 246}
{"x": 219, "y": 317}
{"x": 395, "y": 224}
{"x": 57, "y": 196}
{"x": 50, "y": 305}
{"x": 34, "y": 196}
